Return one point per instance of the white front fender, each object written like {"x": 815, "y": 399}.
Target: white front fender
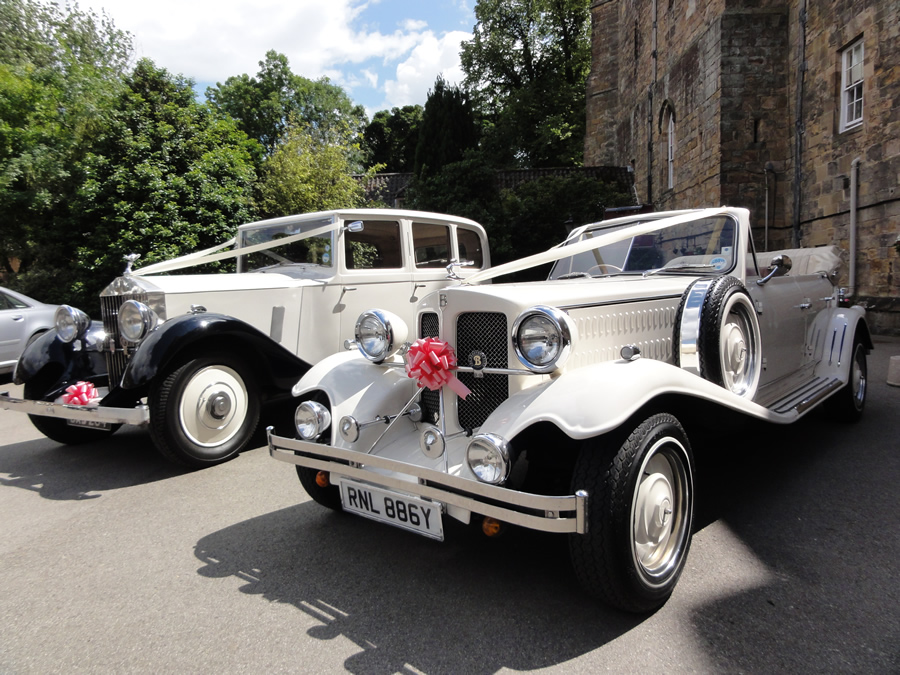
{"x": 358, "y": 387}
{"x": 598, "y": 398}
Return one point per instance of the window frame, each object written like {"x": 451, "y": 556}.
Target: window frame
{"x": 852, "y": 91}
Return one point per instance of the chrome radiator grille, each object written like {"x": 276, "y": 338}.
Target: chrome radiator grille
{"x": 430, "y": 401}
{"x": 484, "y": 332}
{"x": 116, "y": 358}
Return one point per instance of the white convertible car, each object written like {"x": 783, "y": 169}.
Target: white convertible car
{"x": 563, "y": 405}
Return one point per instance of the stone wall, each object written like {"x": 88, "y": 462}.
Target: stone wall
{"x": 730, "y": 70}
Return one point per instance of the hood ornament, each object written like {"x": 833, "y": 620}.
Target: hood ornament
{"x": 451, "y": 268}
{"x": 130, "y": 259}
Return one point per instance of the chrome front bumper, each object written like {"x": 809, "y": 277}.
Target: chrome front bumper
{"x": 536, "y": 512}
{"x": 138, "y": 416}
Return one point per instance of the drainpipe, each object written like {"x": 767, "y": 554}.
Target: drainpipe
{"x": 798, "y": 124}
{"x": 650, "y": 111}
{"x": 854, "y": 198}
{"x": 769, "y": 168}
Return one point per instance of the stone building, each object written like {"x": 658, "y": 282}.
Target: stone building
{"x": 788, "y": 107}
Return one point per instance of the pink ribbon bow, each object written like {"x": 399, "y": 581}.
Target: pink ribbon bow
{"x": 80, "y": 393}
{"x": 430, "y": 362}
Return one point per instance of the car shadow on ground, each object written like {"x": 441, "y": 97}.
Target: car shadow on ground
{"x": 75, "y": 472}
{"x": 814, "y": 503}
{"x": 468, "y": 604}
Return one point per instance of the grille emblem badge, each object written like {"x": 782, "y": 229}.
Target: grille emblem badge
{"x": 478, "y": 362}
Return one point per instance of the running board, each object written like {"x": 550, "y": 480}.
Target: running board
{"x": 808, "y": 396}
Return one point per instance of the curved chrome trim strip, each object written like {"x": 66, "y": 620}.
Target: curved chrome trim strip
{"x": 689, "y": 357}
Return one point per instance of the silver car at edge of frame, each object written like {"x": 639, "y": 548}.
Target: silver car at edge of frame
{"x": 22, "y": 321}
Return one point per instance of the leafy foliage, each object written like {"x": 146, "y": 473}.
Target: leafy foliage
{"x": 391, "y": 138}
{"x": 465, "y": 188}
{"x": 540, "y": 213}
{"x": 165, "y": 177}
{"x": 267, "y": 105}
{"x": 448, "y": 129}
{"x": 59, "y": 73}
{"x": 527, "y": 65}
{"x": 526, "y": 219}
{"x": 308, "y": 173}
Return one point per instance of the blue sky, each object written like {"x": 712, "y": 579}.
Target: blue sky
{"x": 384, "y": 53}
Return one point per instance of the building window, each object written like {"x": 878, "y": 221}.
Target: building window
{"x": 670, "y": 151}
{"x": 852, "y": 86}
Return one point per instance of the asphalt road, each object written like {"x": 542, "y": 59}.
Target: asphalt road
{"x": 113, "y": 561}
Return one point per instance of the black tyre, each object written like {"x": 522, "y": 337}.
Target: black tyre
{"x": 640, "y": 508}
{"x": 328, "y": 496}
{"x": 205, "y": 411}
{"x": 848, "y": 404}
{"x": 60, "y": 430}
{"x": 724, "y": 335}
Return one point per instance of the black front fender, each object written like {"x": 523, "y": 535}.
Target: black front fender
{"x": 59, "y": 363}
{"x": 193, "y": 335}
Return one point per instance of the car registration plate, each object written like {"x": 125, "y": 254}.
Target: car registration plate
{"x": 90, "y": 424}
{"x": 408, "y": 513}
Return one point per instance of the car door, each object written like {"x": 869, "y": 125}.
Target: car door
{"x": 817, "y": 294}
{"x": 374, "y": 273}
{"x": 782, "y": 326}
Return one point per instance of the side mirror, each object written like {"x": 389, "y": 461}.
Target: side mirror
{"x": 779, "y": 266}
{"x": 782, "y": 264}
{"x": 355, "y": 226}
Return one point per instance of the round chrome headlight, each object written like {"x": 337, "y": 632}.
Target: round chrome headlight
{"x": 542, "y": 338}
{"x": 488, "y": 457}
{"x": 379, "y": 334}
{"x": 70, "y": 323}
{"x": 311, "y": 419}
{"x": 136, "y": 320}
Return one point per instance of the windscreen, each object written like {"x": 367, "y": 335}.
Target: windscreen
{"x": 705, "y": 245}
{"x": 318, "y": 250}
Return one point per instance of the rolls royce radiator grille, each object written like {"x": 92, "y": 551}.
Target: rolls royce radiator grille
{"x": 116, "y": 358}
{"x": 485, "y": 334}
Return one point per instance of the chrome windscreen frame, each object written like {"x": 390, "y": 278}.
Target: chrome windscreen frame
{"x": 560, "y": 514}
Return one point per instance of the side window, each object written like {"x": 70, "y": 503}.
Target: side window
{"x": 852, "y": 86}
{"x": 470, "y": 247}
{"x": 432, "y": 245}
{"x": 376, "y": 247}
{"x": 4, "y": 301}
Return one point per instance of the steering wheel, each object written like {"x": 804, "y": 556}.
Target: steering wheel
{"x": 604, "y": 268}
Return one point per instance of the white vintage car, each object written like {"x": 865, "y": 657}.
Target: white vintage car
{"x": 562, "y": 405}
{"x": 196, "y": 356}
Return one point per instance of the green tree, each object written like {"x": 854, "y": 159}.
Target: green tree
{"x": 539, "y": 214}
{"x": 165, "y": 177}
{"x": 466, "y": 188}
{"x": 307, "y": 173}
{"x": 264, "y": 105}
{"x": 527, "y": 219}
{"x": 390, "y": 139}
{"x": 448, "y": 129}
{"x": 60, "y": 71}
{"x": 527, "y": 64}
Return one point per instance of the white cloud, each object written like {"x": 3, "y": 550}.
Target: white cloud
{"x": 341, "y": 39}
{"x": 371, "y": 77}
{"x": 416, "y": 75}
